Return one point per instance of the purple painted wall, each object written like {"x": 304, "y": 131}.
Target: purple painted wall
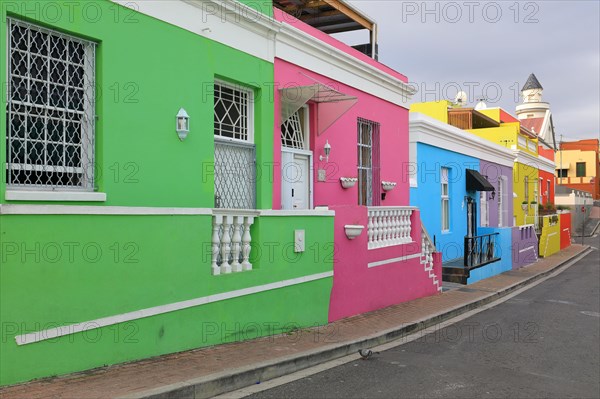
{"x": 524, "y": 246}
{"x": 494, "y": 172}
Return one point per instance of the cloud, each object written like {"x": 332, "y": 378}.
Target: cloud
{"x": 497, "y": 44}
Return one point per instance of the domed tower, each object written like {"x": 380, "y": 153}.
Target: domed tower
{"x": 532, "y": 106}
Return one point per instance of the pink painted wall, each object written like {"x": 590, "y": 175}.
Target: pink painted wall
{"x": 357, "y": 288}
{"x": 342, "y": 137}
{"x": 325, "y": 38}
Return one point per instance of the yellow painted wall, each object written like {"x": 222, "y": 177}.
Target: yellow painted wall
{"x": 571, "y": 157}
{"x": 550, "y": 238}
{"x": 520, "y": 171}
{"x": 434, "y": 109}
{"x": 505, "y": 134}
{"x": 493, "y": 113}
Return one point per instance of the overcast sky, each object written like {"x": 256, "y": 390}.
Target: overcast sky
{"x": 493, "y": 47}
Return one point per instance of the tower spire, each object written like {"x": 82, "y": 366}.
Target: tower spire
{"x": 532, "y": 83}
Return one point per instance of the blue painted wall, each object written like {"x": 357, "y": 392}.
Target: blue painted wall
{"x": 503, "y": 250}
{"x": 427, "y": 196}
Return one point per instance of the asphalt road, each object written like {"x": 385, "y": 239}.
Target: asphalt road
{"x": 543, "y": 343}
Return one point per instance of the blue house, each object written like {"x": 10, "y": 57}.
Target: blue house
{"x": 463, "y": 185}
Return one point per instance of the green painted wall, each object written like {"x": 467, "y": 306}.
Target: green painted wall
{"x": 58, "y": 270}
{"x": 64, "y": 269}
{"x": 146, "y": 71}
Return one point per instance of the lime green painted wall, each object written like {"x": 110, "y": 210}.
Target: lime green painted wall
{"x": 550, "y": 238}
{"x": 146, "y": 71}
{"x": 64, "y": 269}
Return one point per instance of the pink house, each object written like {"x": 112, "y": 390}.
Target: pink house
{"x": 341, "y": 141}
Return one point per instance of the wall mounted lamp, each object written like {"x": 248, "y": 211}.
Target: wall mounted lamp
{"x": 327, "y": 150}
{"x": 183, "y": 124}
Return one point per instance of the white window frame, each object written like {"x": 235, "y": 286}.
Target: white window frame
{"x": 502, "y": 203}
{"x": 374, "y": 161}
{"x": 250, "y": 110}
{"x": 445, "y": 198}
{"x": 305, "y": 115}
{"x": 84, "y": 191}
{"x": 306, "y": 151}
{"x": 485, "y": 209}
{"x": 526, "y": 185}
{"x": 233, "y": 142}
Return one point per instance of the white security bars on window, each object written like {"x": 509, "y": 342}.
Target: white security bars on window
{"x": 235, "y": 175}
{"x": 233, "y": 112}
{"x": 235, "y": 159}
{"x": 368, "y": 162}
{"x": 293, "y": 131}
{"x": 50, "y": 110}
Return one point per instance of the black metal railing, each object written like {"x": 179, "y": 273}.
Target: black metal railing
{"x": 481, "y": 250}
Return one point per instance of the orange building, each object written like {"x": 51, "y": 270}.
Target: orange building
{"x": 578, "y": 166}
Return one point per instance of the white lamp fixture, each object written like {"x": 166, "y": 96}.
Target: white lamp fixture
{"x": 327, "y": 149}
{"x": 183, "y": 124}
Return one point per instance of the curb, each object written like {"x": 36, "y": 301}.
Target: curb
{"x": 219, "y": 383}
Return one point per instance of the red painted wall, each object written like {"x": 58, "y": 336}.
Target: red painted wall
{"x": 546, "y": 152}
{"x": 565, "y": 230}
{"x": 547, "y": 197}
{"x": 505, "y": 117}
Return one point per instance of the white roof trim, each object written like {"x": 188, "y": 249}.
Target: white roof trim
{"x": 243, "y": 28}
{"x": 306, "y": 51}
{"x": 427, "y": 130}
{"x": 540, "y": 163}
{"x": 227, "y": 21}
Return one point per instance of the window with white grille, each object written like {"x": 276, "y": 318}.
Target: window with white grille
{"x": 235, "y": 155}
{"x": 50, "y": 109}
{"x": 368, "y": 163}
{"x": 294, "y": 130}
{"x": 233, "y": 112}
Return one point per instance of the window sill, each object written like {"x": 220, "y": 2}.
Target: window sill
{"x": 17, "y": 195}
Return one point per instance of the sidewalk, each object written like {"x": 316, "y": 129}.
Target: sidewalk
{"x": 210, "y": 371}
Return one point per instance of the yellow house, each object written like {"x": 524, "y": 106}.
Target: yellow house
{"x": 497, "y": 126}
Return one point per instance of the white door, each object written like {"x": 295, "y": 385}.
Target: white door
{"x": 300, "y": 187}
{"x": 295, "y": 188}
{"x": 296, "y": 158}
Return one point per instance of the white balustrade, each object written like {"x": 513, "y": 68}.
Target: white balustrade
{"x": 388, "y": 226}
{"x": 231, "y": 242}
{"x": 532, "y": 146}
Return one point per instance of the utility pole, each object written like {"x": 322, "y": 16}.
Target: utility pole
{"x": 560, "y": 148}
